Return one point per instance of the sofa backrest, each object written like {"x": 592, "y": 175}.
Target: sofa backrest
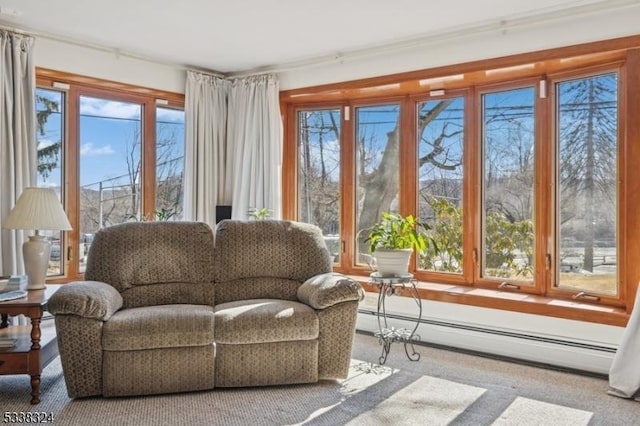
{"x": 266, "y": 258}
{"x": 155, "y": 263}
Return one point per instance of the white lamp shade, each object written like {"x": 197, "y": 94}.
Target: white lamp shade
{"x": 39, "y": 209}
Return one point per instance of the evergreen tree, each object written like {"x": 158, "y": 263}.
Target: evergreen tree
{"x": 588, "y": 146}
{"x": 48, "y": 156}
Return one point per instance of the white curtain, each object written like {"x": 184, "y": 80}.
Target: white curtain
{"x": 205, "y": 121}
{"x": 18, "y": 150}
{"x": 254, "y": 140}
{"x": 624, "y": 375}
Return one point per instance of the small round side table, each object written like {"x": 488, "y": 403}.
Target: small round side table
{"x": 387, "y": 286}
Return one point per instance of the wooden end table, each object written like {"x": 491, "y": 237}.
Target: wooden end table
{"x": 35, "y": 347}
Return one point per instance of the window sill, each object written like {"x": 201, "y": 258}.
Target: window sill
{"x": 512, "y": 301}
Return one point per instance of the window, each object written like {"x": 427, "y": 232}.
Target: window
{"x": 169, "y": 163}
{"x": 508, "y": 136}
{"x": 440, "y": 130}
{"x": 111, "y": 154}
{"x": 516, "y": 169}
{"x": 319, "y": 173}
{"x": 50, "y": 115}
{"x": 377, "y": 169}
{"x": 587, "y": 197}
{"x": 110, "y": 166}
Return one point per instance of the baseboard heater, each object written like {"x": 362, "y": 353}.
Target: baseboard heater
{"x": 505, "y": 344}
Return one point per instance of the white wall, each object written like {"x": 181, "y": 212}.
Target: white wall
{"x": 463, "y": 48}
{"x": 474, "y": 46}
{"x": 566, "y": 343}
{"x": 107, "y": 65}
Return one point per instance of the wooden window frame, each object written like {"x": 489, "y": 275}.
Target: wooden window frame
{"x": 469, "y": 192}
{"x": 74, "y": 86}
{"x": 619, "y": 68}
{"x": 537, "y": 284}
{"x": 621, "y": 55}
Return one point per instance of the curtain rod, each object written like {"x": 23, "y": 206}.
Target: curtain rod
{"x": 541, "y": 16}
{"x": 115, "y": 51}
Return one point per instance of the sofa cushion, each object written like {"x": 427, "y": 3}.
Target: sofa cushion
{"x": 263, "y": 321}
{"x": 153, "y": 327}
{"x": 269, "y": 248}
{"x": 148, "y": 253}
{"x": 328, "y": 289}
{"x": 87, "y": 299}
{"x": 168, "y": 294}
{"x": 256, "y": 288}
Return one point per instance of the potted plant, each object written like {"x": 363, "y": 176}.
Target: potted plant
{"x": 393, "y": 239}
{"x": 261, "y": 213}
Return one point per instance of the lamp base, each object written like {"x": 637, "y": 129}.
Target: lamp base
{"x": 36, "y": 287}
{"x": 36, "y": 253}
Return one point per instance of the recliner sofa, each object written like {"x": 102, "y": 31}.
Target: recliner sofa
{"x": 165, "y": 310}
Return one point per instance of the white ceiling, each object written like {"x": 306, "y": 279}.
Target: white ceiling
{"x": 250, "y": 35}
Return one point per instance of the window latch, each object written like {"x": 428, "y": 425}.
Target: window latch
{"x": 507, "y": 285}
{"x": 585, "y": 296}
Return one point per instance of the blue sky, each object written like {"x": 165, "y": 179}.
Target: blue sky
{"x": 107, "y": 132}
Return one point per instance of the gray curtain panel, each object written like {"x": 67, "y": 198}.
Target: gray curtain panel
{"x": 233, "y": 153}
{"x": 254, "y": 142}
{"x": 18, "y": 150}
{"x": 206, "y": 123}
{"x": 624, "y": 375}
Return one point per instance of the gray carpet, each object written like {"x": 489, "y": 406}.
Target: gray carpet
{"x": 443, "y": 388}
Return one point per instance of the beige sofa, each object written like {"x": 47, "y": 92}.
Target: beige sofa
{"x": 163, "y": 310}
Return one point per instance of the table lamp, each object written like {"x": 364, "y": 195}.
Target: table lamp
{"x": 37, "y": 209}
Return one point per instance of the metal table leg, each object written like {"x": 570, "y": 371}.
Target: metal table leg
{"x": 387, "y": 287}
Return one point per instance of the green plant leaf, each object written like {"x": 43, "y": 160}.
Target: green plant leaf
{"x": 394, "y": 231}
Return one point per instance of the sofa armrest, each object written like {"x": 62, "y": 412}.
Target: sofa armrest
{"x": 87, "y": 299}
{"x": 324, "y": 290}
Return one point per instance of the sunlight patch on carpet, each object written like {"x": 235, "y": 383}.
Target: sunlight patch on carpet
{"x": 361, "y": 376}
{"x": 427, "y": 401}
{"x": 525, "y": 411}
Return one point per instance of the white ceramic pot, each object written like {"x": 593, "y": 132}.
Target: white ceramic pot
{"x": 392, "y": 262}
